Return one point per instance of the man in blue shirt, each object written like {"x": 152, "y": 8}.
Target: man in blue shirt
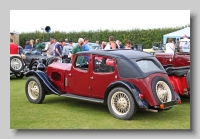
{"x": 86, "y": 47}
{"x": 58, "y": 50}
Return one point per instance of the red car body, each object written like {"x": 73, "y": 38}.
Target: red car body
{"x": 173, "y": 60}
{"x": 125, "y": 80}
{"x": 178, "y": 70}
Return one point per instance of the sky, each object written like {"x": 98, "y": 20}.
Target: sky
{"x": 87, "y": 20}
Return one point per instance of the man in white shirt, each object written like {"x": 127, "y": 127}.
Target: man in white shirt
{"x": 185, "y": 44}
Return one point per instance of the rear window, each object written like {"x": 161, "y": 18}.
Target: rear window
{"x": 147, "y": 66}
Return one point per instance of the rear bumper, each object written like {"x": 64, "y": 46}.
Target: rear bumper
{"x": 169, "y": 104}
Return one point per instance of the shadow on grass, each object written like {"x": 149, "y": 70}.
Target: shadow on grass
{"x": 71, "y": 102}
{"x": 141, "y": 114}
{"x": 15, "y": 78}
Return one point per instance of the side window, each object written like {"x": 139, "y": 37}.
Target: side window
{"x": 103, "y": 64}
{"x": 82, "y": 62}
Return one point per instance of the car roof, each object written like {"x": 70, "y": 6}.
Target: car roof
{"x": 120, "y": 53}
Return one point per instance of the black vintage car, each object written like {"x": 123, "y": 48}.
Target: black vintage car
{"x": 34, "y": 57}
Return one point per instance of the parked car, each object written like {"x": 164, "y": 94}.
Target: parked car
{"x": 92, "y": 46}
{"x": 17, "y": 65}
{"x": 154, "y": 50}
{"x": 124, "y": 80}
{"x": 35, "y": 57}
{"x": 177, "y": 66}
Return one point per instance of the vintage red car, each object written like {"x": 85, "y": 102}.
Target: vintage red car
{"x": 177, "y": 66}
{"x": 124, "y": 80}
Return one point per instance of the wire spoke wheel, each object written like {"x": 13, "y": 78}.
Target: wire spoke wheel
{"x": 120, "y": 103}
{"x": 16, "y": 64}
{"x": 33, "y": 90}
{"x": 163, "y": 92}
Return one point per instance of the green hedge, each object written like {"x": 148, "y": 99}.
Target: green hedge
{"x": 137, "y": 36}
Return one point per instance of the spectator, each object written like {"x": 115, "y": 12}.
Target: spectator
{"x": 49, "y": 49}
{"x": 97, "y": 42}
{"x": 39, "y": 46}
{"x": 66, "y": 41}
{"x": 113, "y": 44}
{"x": 14, "y": 49}
{"x": 66, "y": 53}
{"x": 103, "y": 45}
{"x": 120, "y": 45}
{"x": 78, "y": 48}
{"x": 184, "y": 43}
{"x": 32, "y": 43}
{"x": 118, "y": 42}
{"x": 128, "y": 44}
{"x": 107, "y": 46}
{"x": 170, "y": 47}
{"x": 85, "y": 46}
{"x": 58, "y": 50}
{"x": 28, "y": 46}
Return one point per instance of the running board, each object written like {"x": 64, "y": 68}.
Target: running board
{"x": 83, "y": 98}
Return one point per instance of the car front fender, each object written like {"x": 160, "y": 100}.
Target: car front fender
{"x": 46, "y": 83}
{"x": 130, "y": 87}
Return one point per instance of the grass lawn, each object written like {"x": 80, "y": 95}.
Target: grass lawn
{"x": 67, "y": 113}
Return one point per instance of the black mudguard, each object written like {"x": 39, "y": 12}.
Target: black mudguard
{"x": 46, "y": 83}
{"x": 130, "y": 87}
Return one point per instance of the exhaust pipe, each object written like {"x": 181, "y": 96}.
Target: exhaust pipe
{"x": 151, "y": 110}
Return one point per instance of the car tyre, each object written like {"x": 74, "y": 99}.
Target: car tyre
{"x": 19, "y": 75}
{"x": 162, "y": 90}
{"x": 188, "y": 80}
{"x": 121, "y": 103}
{"x": 34, "y": 91}
{"x": 16, "y": 64}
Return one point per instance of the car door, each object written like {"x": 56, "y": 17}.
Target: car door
{"x": 103, "y": 73}
{"x": 78, "y": 78}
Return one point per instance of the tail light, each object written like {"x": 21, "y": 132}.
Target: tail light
{"x": 141, "y": 96}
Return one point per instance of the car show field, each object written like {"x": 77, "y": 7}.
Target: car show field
{"x": 68, "y": 113}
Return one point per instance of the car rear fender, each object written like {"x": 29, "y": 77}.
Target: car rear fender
{"x": 131, "y": 88}
{"x": 46, "y": 83}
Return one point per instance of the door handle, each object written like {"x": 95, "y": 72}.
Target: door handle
{"x": 70, "y": 74}
{"x": 92, "y": 77}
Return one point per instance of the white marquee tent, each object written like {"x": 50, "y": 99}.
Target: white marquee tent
{"x": 177, "y": 34}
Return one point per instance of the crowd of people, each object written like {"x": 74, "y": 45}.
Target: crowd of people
{"x": 64, "y": 49}
{"x": 180, "y": 45}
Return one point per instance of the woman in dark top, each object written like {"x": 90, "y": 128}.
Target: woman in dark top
{"x": 28, "y": 46}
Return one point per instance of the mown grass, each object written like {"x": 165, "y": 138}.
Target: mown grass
{"x": 66, "y": 113}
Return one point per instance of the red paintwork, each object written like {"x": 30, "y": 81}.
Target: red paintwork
{"x": 176, "y": 60}
{"x": 91, "y": 84}
{"x": 180, "y": 84}
{"x": 147, "y": 90}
